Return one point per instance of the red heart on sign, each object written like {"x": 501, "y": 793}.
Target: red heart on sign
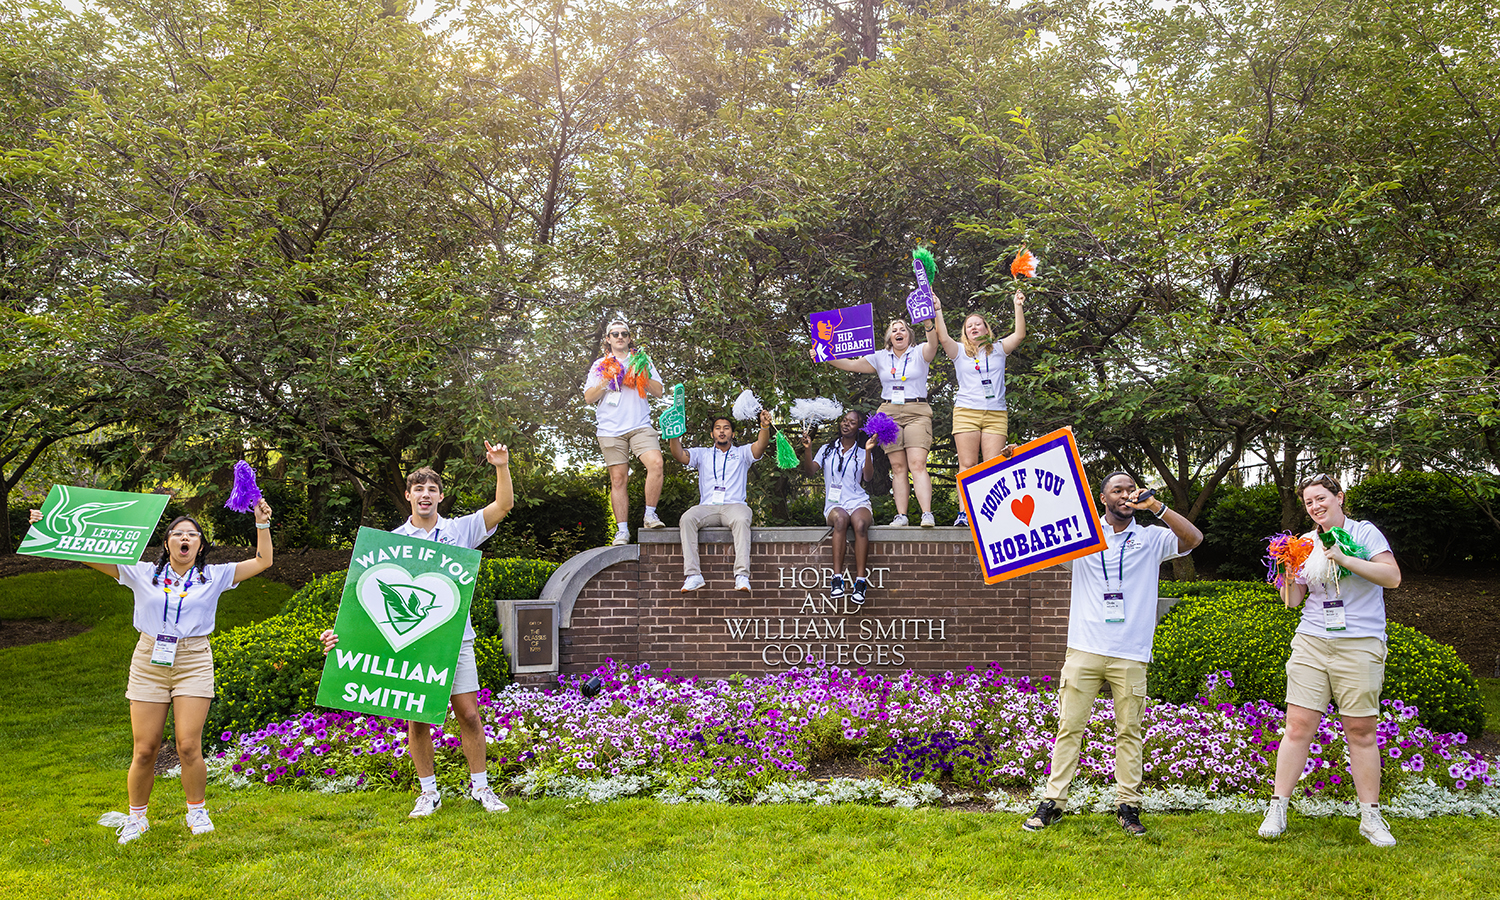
{"x": 1023, "y": 508}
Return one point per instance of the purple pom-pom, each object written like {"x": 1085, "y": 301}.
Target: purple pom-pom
{"x": 883, "y": 427}
{"x": 245, "y": 494}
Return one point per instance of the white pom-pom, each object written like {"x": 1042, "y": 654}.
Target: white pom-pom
{"x": 746, "y": 406}
{"x": 816, "y": 410}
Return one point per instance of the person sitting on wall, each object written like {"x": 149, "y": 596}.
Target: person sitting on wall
{"x": 723, "y": 470}
{"x": 846, "y": 504}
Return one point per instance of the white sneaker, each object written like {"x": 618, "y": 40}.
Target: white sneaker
{"x": 693, "y": 583}
{"x": 962, "y": 521}
{"x": 742, "y": 583}
{"x": 488, "y": 800}
{"x": 198, "y": 821}
{"x": 134, "y": 827}
{"x": 652, "y": 520}
{"x": 1275, "y": 821}
{"x": 900, "y": 521}
{"x": 621, "y": 538}
{"x": 428, "y": 802}
{"x": 1371, "y": 825}
{"x": 928, "y": 521}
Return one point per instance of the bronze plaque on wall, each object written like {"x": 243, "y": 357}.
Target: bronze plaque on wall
{"x": 534, "y": 637}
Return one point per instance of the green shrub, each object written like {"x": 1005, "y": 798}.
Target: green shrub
{"x": 1243, "y": 627}
{"x": 1235, "y": 529}
{"x": 1427, "y": 520}
{"x": 266, "y": 671}
{"x": 270, "y": 670}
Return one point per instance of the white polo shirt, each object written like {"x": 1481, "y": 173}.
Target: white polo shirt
{"x": 1133, "y": 560}
{"x": 631, "y": 413}
{"x": 844, "y": 470}
{"x": 907, "y": 371}
{"x": 730, "y": 470}
{"x": 972, "y": 374}
{"x": 1364, "y": 601}
{"x": 171, "y": 607}
{"x": 465, "y": 531}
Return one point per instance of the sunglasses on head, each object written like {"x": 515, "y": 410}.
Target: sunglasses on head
{"x": 1324, "y": 480}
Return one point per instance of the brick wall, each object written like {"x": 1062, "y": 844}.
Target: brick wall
{"x": 928, "y": 609}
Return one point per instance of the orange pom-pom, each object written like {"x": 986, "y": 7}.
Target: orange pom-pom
{"x": 610, "y": 369}
{"x": 1024, "y": 265}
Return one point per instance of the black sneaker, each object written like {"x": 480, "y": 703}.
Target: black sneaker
{"x": 1130, "y": 820}
{"x": 1046, "y": 814}
{"x": 860, "y": 587}
{"x": 836, "y": 587}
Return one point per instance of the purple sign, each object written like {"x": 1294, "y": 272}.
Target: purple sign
{"x": 843, "y": 333}
{"x": 920, "y": 303}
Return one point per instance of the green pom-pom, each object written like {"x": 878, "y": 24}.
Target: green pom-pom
{"x": 924, "y": 256}
{"x": 786, "y": 454}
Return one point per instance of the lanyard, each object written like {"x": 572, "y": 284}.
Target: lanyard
{"x": 167, "y": 599}
{"x": 719, "y": 479}
{"x": 986, "y": 362}
{"x": 1105, "y": 569}
{"x": 844, "y": 460}
{"x": 905, "y": 359}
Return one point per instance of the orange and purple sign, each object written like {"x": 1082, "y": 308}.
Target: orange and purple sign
{"x": 1032, "y": 510}
{"x": 843, "y": 333}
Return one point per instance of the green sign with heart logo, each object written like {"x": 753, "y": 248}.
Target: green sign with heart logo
{"x": 400, "y": 626}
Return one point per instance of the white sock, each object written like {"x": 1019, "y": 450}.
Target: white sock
{"x": 1369, "y": 808}
{"x": 429, "y": 784}
{"x": 199, "y": 805}
{"x": 622, "y": 526}
{"x": 138, "y": 811}
{"x": 478, "y": 781}
{"x": 650, "y": 511}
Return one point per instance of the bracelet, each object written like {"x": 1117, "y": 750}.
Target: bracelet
{"x": 1161, "y": 511}
{"x": 262, "y": 525}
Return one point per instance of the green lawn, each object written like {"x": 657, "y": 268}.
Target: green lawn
{"x": 64, "y": 745}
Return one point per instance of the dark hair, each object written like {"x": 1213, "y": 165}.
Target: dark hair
{"x": 199, "y": 563}
{"x": 1111, "y": 476}
{"x": 1327, "y": 481}
{"x": 714, "y": 422}
{"x": 828, "y": 447}
{"x": 424, "y": 475}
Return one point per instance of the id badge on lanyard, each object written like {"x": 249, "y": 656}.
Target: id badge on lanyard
{"x": 612, "y": 398}
{"x": 1333, "y": 615}
{"x": 1114, "y": 591}
{"x": 989, "y": 388}
{"x": 716, "y": 495}
{"x": 164, "y": 651}
{"x": 898, "y": 394}
{"x": 836, "y": 493}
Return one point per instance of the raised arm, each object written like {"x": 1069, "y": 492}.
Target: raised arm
{"x": 1014, "y": 339}
{"x": 498, "y": 456}
{"x": 949, "y": 345}
{"x": 1188, "y": 535}
{"x": 262, "y": 559}
{"x": 861, "y": 366}
{"x": 808, "y": 465}
{"x": 868, "y": 472}
{"x": 930, "y": 346}
{"x": 762, "y": 440}
{"x": 674, "y": 447}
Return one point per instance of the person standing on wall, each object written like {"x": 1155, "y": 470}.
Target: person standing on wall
{"x": 1111, "y": 626}
{"x": 723, "y": 476}
{"x": 618, "y": 387}
{"x": 980, "y": 418}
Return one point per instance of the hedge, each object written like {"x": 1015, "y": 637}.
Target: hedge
{"x": 269, "y": 670}
{"x": 1243, "y": 627}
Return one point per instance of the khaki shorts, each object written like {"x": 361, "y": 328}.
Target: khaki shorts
{"x": 915, "y": 420}
{"x": 1349, "y": 671}
{"x": 984, "y": 421}
{"x": 191, "y": 673}
{"x": 617, "y": 449}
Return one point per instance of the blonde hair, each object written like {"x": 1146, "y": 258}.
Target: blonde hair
{"x": 972, "y": 348}
{"x": 604, "y": 339}
{"x": 911, "y": 335}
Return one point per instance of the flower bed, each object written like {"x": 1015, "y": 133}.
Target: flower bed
{"x": 754, "y": 739}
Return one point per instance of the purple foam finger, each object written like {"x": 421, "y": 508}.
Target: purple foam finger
{"x": 245, "y": 494}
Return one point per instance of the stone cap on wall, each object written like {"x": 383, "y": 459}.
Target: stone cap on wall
{"x": 570, "y": 577}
